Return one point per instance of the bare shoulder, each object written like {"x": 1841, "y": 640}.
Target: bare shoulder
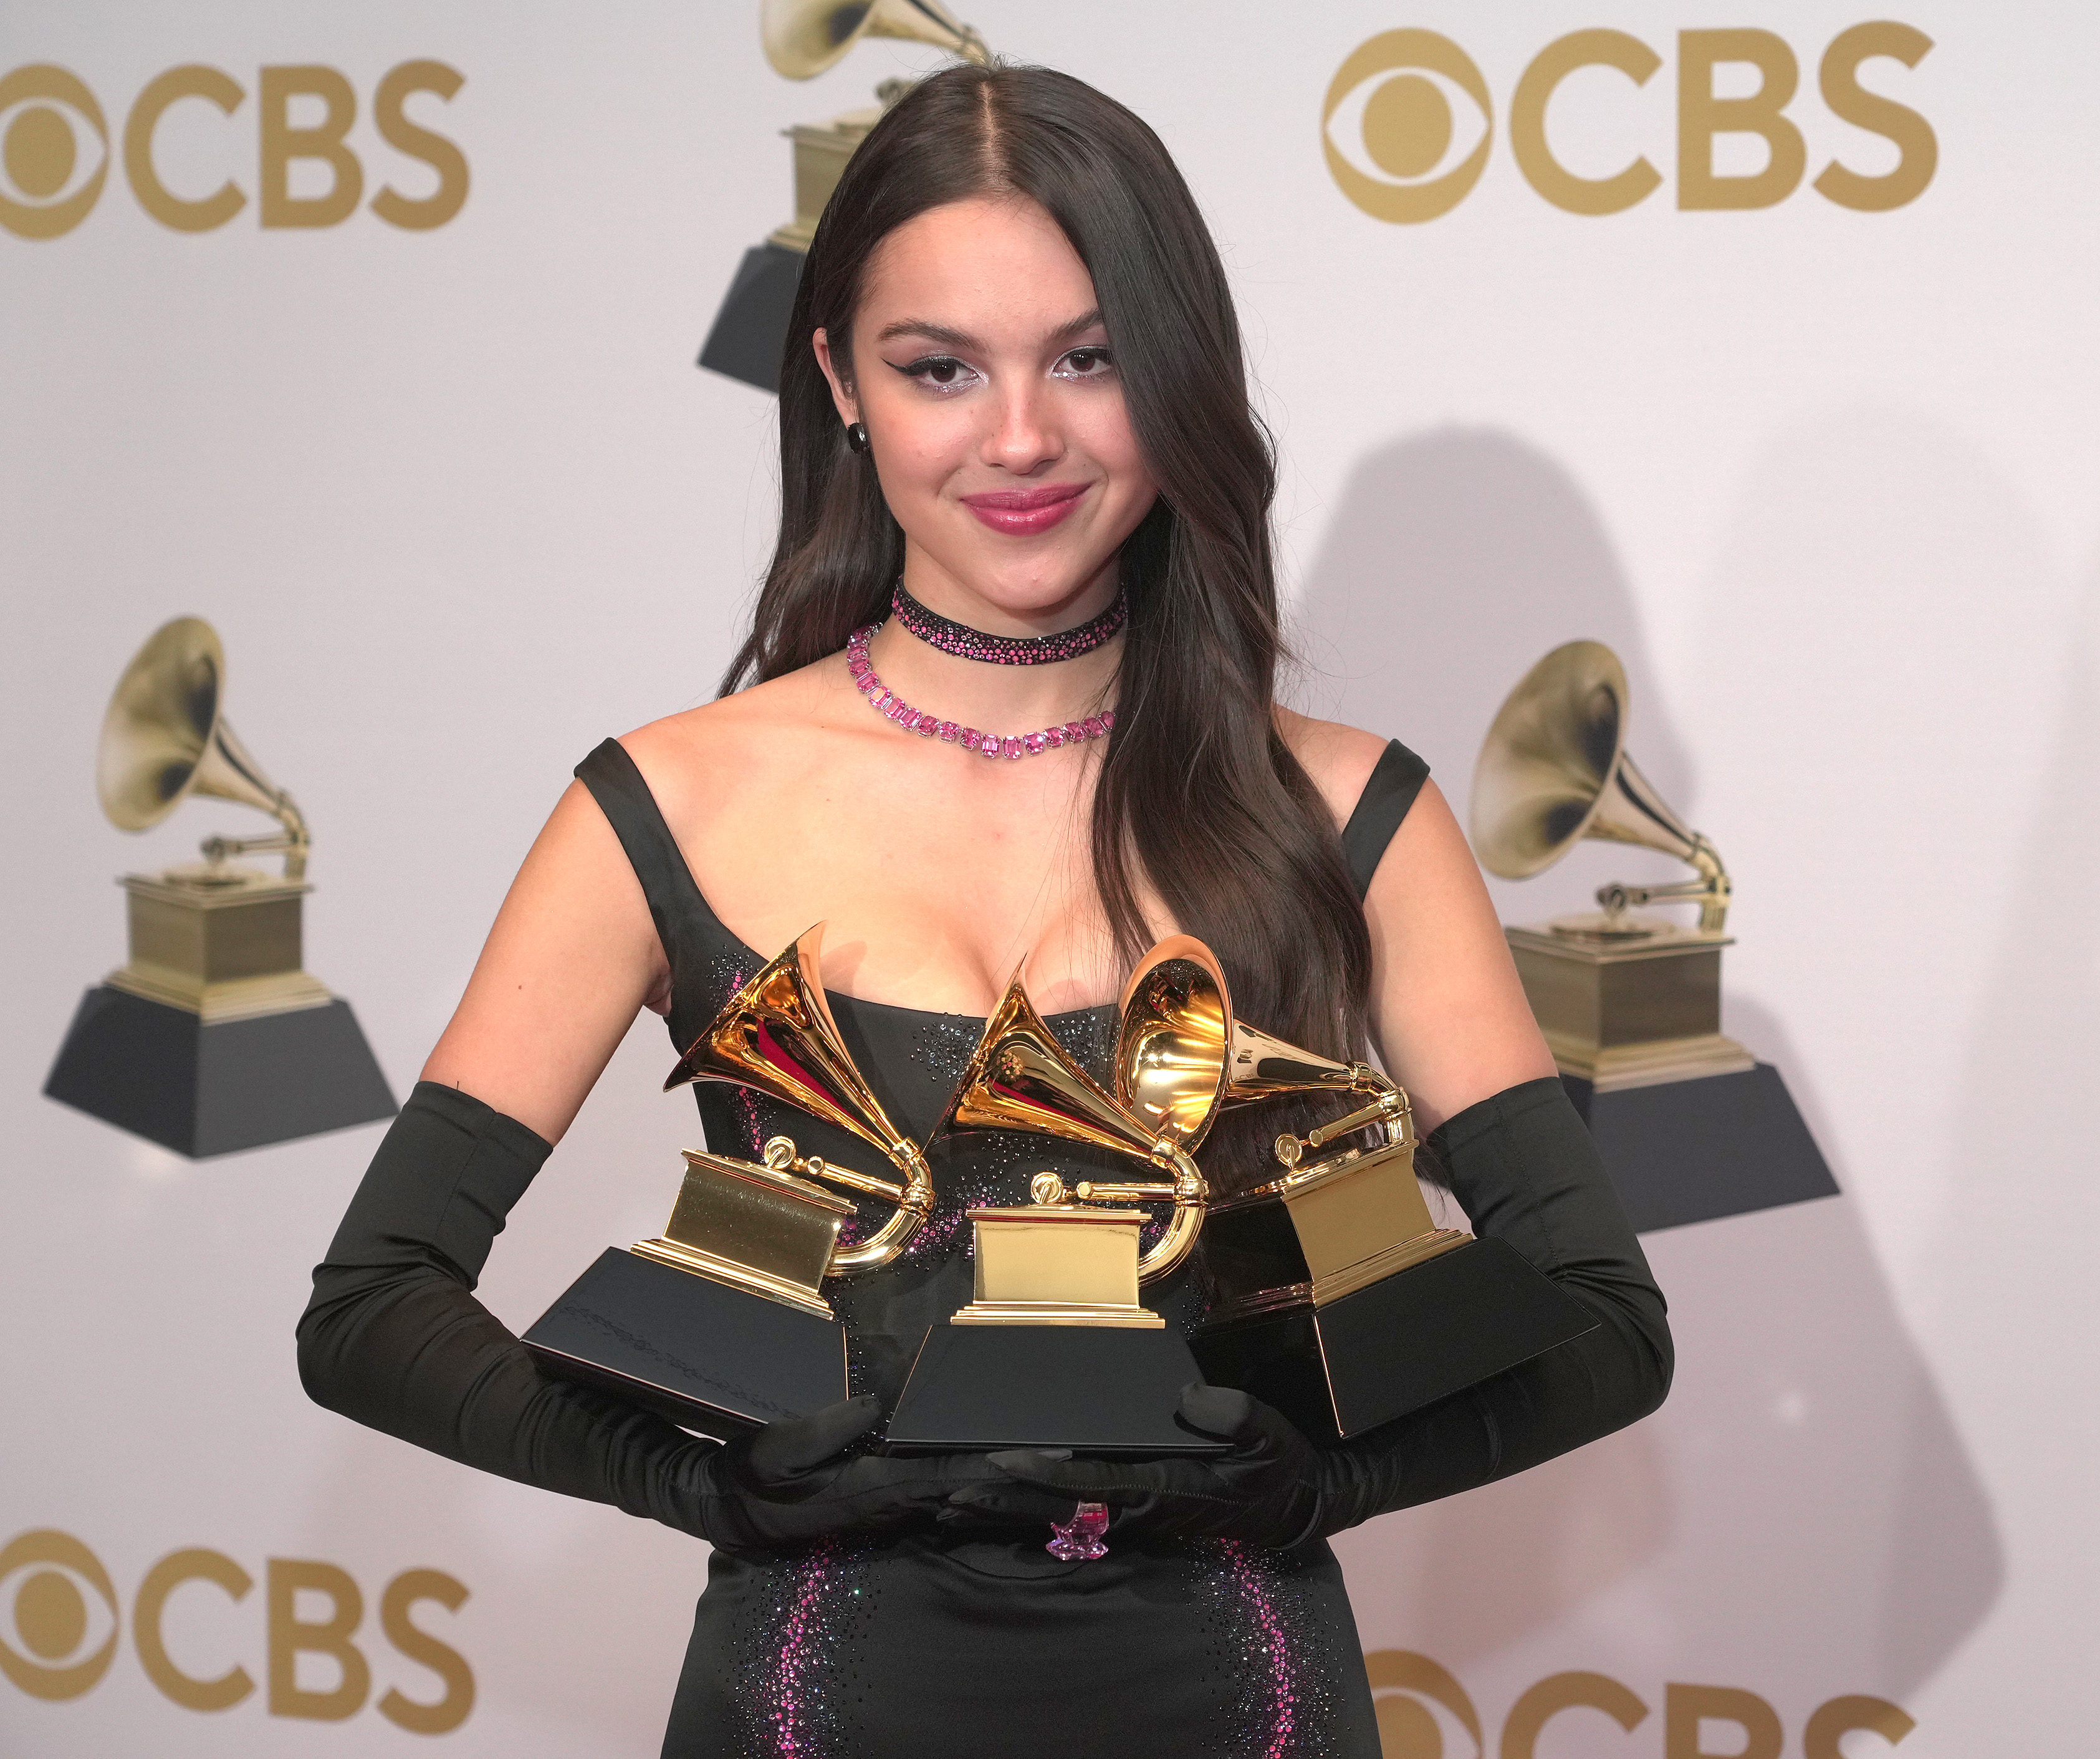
{"x": 1339, "y": 759}
{"x": 694, "y": 761}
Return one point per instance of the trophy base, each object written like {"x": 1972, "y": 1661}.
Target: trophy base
{"x": 205, "y": 1087}
{"x": 1101, "y": 1390}
{"x": 751, "y": 329}
{"x": 710, "y": 1357}
{"x": 1395, "y": 1346}
{"x": 1694, "y": 1150}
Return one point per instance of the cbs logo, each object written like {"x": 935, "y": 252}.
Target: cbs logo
{"x": 1421, "y": 1705}
{"x": 60, "y": 1622}
{"x": 56, "y": 149}
{"x": 1402, "y": 150}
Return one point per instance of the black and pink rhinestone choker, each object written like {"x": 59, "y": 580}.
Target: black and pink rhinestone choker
{"x": 966, "y": 643}
{"x": 892, "y": 706}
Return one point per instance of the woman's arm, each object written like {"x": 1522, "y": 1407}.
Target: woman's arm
{"x": 393, "y": 1336}
{"x": 1453, "y": 1028}
{"x": 1448, "y": 1014}
{"x": 572, "y": 958}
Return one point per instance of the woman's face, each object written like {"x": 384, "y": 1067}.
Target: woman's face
{"x": 988, "y": 387}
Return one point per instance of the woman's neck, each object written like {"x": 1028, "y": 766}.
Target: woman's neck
{"x": 1003, "y": 699}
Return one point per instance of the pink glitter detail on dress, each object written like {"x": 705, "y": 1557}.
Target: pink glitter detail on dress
{"x": 788, "y": 1687}
{"x": 888, "y": 704}
{"x": 1273, "y": 1646}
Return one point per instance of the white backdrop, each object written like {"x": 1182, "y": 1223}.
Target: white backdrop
{"x": 460, "y": 506}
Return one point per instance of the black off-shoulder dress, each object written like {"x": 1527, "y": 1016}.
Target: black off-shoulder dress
{"x": 936, "y": 1644}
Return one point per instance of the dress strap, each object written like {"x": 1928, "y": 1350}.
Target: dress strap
{"x": 1380, "y": 808}
{"x": 681, "y": 913}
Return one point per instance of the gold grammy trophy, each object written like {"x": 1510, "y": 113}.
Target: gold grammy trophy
{"x": 211, "y": 1036}
{"x": 1055, "y": 1349}
{"x": 1334, "y": 1296}
{"x": 1626, "y": 998}
{"x": 803, "y": 38}
{"x": 720, "y": 1322}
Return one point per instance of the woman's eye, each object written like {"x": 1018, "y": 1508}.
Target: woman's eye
{"x": 940, "y": 372}
{"x": 1087, "y": 363}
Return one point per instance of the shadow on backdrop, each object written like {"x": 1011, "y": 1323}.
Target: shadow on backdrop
{"x": 1454, "y": 561}
{"x": 1806, "y": 1470}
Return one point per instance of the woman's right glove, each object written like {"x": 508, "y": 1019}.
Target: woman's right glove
{"x": 394, "y": 1338}
{"x": 795, "y": 1481}
{"x": 1265, "y": 1490}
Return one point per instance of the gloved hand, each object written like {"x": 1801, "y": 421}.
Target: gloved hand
{"x": 1266, "y": 1491}
{"x": 796, "y": 1481}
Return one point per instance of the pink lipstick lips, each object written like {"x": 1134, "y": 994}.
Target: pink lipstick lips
{"x": 1021, "y": 513}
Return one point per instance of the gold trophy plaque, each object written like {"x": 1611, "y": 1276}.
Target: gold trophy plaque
{"x": 720, "y": 1322}
{"x": 211, "y": 1036}
{"x": 1056, "y": 1350}
{"x": 1626, "y": 998}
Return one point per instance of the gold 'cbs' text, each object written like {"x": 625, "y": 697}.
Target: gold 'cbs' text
{"x": 54, "y": 148}
{"x": 67, "y": 1624}
{"x": 1394, "y": 145}
{"x": 1424, "y": 1712}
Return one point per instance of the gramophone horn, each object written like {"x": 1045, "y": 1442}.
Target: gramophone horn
{"x": 803, "y": 37}
{"x": 776, "y": 1034}
{"x": 1020, "y": 1078}
{"x": 1173, "y": 1038}
{"x": 165, "y": 737}
{"x": 1555, "y": 770}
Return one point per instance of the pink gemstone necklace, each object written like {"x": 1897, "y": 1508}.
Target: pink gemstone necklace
{"x": 888, "y": 703}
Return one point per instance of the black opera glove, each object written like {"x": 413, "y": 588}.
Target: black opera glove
{"x": 1266, "y": 1491}
{"x": 394, "y": 1338}
{"x": 797, "y": 1480}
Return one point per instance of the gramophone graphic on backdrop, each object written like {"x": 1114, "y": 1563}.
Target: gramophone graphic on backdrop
{"x": 1691, "y": 1126}
{"x": 211, "y": 1036}
{"x": 802, "y": 38}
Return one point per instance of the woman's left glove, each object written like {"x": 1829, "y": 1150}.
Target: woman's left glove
{"x": 1266, "y": 1491}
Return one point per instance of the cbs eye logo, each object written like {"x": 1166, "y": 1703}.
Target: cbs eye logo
{"x": 64, "y": 1613}
{"x": 1424, "y": 1712}
{"x": 1392, "y": 141}
{"x": 1409, "y": 123}
{"x": 49, "y": 184}
{"x": 56, "y": 149}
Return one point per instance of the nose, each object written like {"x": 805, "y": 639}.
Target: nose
{"x": 1021, "y": 433}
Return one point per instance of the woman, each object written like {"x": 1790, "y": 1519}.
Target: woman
{"x": 1016, "y": 443}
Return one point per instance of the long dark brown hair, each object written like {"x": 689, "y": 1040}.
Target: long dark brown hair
{"x": 1197, "y": 792}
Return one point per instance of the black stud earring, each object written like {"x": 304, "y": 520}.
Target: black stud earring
{"x": 856, "y": 436}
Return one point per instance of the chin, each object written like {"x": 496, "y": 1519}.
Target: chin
{"x": 1024, "y": 586}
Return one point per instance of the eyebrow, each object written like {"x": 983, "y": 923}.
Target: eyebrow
{"x": 953, "y": 338}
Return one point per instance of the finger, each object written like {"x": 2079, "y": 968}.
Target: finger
{"x": 1011, "y": 1503}
{"x": 1079, "y": 1478}
{"x": 783, "y": 1451}
{"x": 1110, "y": 1481}
{"x": 1222, "y": 1411}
